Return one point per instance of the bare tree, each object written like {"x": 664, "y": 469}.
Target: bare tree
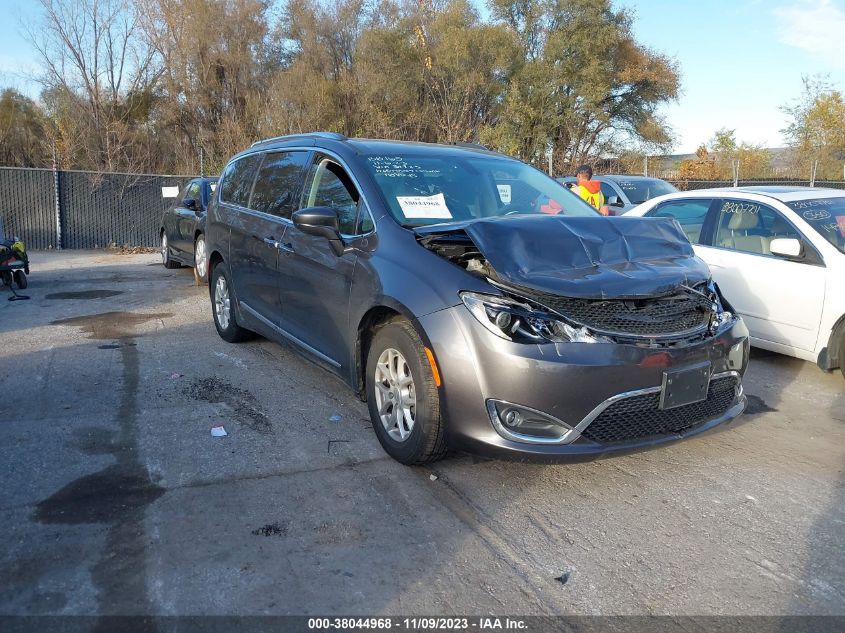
{"x": 98, "y": 73}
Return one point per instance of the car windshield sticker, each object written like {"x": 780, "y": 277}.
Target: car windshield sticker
{"x": 212, "y": 186}
{"x": 169, "y": 192}
{"x": 427, "y": 207}
{"x": 840, "y": 222}
{"x": 504, "y": 193}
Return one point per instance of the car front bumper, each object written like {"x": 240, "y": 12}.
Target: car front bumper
{"x": 580, "y": 384}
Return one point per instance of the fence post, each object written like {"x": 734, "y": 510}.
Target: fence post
{"x": 58, "y": 200}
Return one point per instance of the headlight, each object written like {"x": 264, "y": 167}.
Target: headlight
{"x": 721, "y": 308}
{"x": 522, "y": 323}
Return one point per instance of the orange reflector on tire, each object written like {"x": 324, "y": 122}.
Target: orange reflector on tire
{"x": 434, "y": 371}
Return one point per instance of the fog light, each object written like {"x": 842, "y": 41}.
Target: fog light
{"x": 512, "y": 418}
{"x": 736, "y": 355}
{"x": 523, "y": 424}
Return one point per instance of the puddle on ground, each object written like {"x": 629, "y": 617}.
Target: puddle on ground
{"x": 102, "y": 497}
{"x": 84, "y": 294}
{"x": 111, "y": 325}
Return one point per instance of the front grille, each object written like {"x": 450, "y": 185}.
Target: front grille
{"x": 640, "y": 417}
{"x": 655, "y": 317}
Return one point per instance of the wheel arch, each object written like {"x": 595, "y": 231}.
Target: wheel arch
{"x": 829, "y": 358}
{"x": 376, "y": 316}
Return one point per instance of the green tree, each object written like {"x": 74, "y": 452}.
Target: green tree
{"x": 816, "y": 129}
{"x": 23, "y": 132}
{"x": 584, "y": 87}
{"x": 754, "y": 160}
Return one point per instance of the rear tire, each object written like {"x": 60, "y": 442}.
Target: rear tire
{"x": 165, "y": 253}
{"x": 20, "y": 279}
{"x": 223, "y": 307}
{"x": 406, "y": 410}
{"x": 201, "y": 259}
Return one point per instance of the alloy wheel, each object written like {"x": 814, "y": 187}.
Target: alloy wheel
{"x": 201, "y": 262}
{"x": 395, "y": 393}
{"x": 222, "y": 303}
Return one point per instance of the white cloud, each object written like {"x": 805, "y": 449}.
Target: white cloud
{"x": 814, "y": 26}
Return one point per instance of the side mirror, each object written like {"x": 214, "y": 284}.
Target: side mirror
{"x": 321, "y": 222}
{"x": 614, "y": 201}
{"x": 786, "y": 247}
{"x": 189, "y": 203}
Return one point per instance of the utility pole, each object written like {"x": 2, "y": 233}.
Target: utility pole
{"x": 56, "y": 196}
{"x": 645, "y": 165}
{"x": 202, "y": 163}
{"x": 735, "y": 165}
{"x": 551, "y": 154}
{"x": 813, "y": 173}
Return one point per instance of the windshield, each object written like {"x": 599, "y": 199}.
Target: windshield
{"x": 826, "y": 216}
{"x": 642, "y": 189}
{"x": 422, "y": 190}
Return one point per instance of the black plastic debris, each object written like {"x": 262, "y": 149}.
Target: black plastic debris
{"x": 271, "y": 529}
{"x": 563, "y": 578}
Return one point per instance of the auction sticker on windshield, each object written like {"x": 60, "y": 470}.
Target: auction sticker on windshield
{"x": 424, "y": 207}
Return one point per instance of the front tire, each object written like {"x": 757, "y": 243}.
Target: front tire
{"x": 165, "y": 253}
{"x": 223, "y": 307}
{"x": 201, "y": 259}
{"x": 402, "y": 396}
{"x": 842, "y": 354}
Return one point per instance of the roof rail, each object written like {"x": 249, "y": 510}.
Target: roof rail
{"x": 327, "y": 135}
{"x": 471, "y": 145}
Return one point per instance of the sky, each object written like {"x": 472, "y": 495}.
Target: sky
{"x": 740, "y": 60}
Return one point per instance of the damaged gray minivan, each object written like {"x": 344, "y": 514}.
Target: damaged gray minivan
{"x": 471, "y": 300}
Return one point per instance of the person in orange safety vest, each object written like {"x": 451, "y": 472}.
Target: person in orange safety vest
{"x": 589, "y": 190}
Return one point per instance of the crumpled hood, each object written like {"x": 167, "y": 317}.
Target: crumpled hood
{"x": 584, "y": 257}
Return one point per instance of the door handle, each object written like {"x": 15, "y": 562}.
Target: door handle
{"x": 271, "y": 241}
{"x": 286, "y": 247}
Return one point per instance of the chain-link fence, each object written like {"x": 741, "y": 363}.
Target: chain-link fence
{"x": 94, "y": 210}
{"x": 76, "y": 209}
{"x": 691, "y": 185}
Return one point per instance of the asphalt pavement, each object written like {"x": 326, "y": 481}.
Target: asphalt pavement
{"x": 116, "y": 499}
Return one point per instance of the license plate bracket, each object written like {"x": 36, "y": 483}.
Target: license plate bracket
{"x": 685, "y": 386}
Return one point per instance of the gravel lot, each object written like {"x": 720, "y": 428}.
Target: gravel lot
{"x": 117, "y": 500}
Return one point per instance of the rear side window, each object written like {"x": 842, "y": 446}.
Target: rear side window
{"x": 690, "y": 214}
{"x": 750, "y": 227}
{"x": 193, "y": 192}
{"x": 278, "y": 183}
{"x": 330, "y": 186}
{"x": 237, "y": 180}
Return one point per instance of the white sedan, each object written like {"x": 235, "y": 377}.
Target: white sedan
{"x": 778, "y": 255}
